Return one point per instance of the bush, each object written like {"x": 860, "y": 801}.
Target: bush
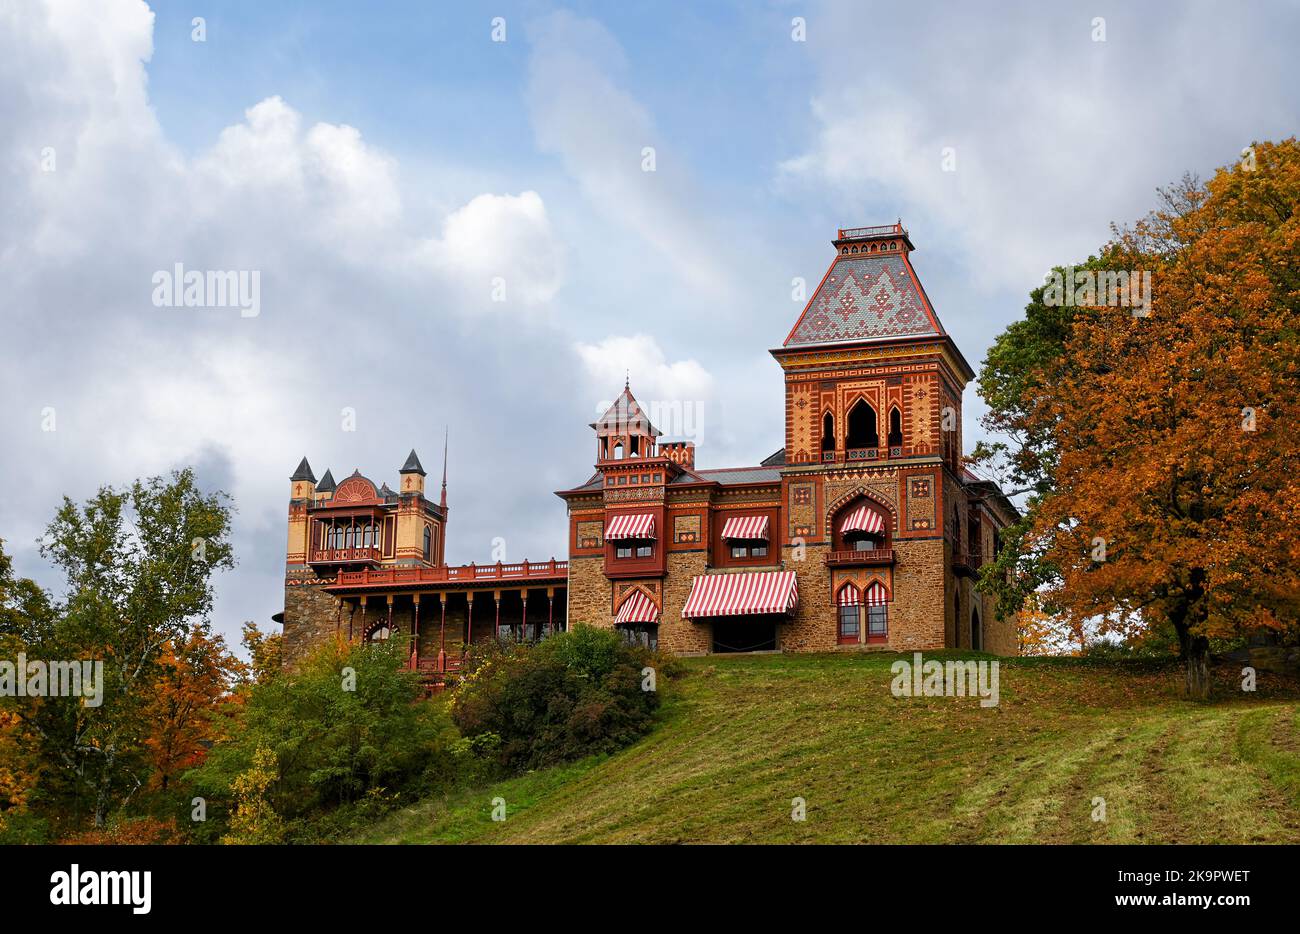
{"x": 327, "y": 738}
{"x": 574, "y": 694}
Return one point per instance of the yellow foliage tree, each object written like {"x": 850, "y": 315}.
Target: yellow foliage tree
{"x": 255, "y": 821}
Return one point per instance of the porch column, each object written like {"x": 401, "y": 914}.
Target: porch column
{"x": 469, "y": 622}
{"x": 550, "y": 611}
{"x": 338, "y": 619}
{"x": 496, "y": 600}
{"x": 415, "y": 631}
{"x": 442, "y": 633}
{"x": 363, "y": 617}
{"x": 523, "y": 620}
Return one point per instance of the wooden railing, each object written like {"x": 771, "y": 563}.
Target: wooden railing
{"x": 465, "y": 573}
{"x": 856, "y": 558}
{"x": 344, "y": 555}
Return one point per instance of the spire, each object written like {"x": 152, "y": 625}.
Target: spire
{"x": 303, "y": 472}
{"x": 412, "y": 464}
{"x": 327, "y": 484}
{"x": 443, "y": 501}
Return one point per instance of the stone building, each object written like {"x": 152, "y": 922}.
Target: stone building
{"x": 863, "y": 531}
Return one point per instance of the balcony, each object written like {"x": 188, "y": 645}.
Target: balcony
{"x": 966, "y": 563}
{"x": 412, "y": 577}
{"x": 368, "y": 556}
{"x": 854, "y": 559}
{"x": 865, "y": 233}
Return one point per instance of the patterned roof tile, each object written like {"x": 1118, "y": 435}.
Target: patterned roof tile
{"x": 864, "y": 298}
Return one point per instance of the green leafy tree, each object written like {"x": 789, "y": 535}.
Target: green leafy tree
{"x": 138, "y": 564}
{"x": 348, "y": 721}
{"x": 573, "y": 694}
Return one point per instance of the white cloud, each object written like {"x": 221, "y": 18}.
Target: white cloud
{"x": 1055, "y": 135}
{"x": 600, "y": 132}
{"x": 506, "y": 237}
{"x": 363, "y": 304}
{"x": 676, "y": 394}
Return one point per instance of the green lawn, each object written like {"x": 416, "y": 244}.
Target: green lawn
{"x": 740, "y": 737}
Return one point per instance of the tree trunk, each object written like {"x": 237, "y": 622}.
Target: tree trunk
{"x": 1195, "y": 653}
{"x": 1198, "y": 669}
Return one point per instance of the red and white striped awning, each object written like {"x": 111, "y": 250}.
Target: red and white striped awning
{"x": 876, "y": 595}
{"x": 745, "y": 527}
{"x": 631, "y": 525}
{"x": 849, "y": 595}
{"x": 750, "y": 593}
{"x": 637, "y": 608}
{"x": 863, "y": 519}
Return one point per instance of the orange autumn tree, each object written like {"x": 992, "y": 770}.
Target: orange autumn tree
{"x": 191, "y": 684}
{"x": 1174, "y": 495}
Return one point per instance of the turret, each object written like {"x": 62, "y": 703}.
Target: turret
{"x": 412, "y": 475}
{"x": 624, "y": 431}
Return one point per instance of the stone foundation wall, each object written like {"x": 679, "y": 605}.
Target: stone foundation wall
{"x": 310, "y": 615}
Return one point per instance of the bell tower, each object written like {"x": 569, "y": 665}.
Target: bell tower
{"x": 624, "y": 431}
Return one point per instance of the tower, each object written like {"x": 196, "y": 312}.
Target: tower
{"x": 873, "y": 443}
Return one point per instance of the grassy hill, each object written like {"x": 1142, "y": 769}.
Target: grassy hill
{"x": 740, "y": 737}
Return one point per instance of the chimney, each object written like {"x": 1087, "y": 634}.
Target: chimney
{"x": 681, "y": 453}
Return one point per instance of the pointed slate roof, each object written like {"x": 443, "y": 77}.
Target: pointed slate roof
{"x": 412, "y": 465}
{"x": 625, "y": 412}
{"x": 866, "y": 296}
{"x": 327, "y": 484}
{"x": 304, "y": 472}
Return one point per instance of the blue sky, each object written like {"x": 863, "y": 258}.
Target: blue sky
{"x": 380, "y": 165}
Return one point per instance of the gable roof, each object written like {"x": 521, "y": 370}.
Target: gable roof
{"x": 871, "y": 296}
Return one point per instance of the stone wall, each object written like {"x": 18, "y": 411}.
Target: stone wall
{"x": 310, "y": 615}
{"x": 916, "y": 615}
{"x": 813, "y": 627}
{"x": 589, "y": 592}
{"x": 677, "y": 635}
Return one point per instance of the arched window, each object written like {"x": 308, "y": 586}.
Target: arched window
{"x": 895, "y": 428}
{"x": 862, "y": 426}
{"x": 428, "y": 544}
{"x": 876, "y": 600}
{"x": 848, "y": 604}
{"x": 828, "y": 432}
{"x": 976, "y": 631}
{"x": 618, "y": 451}
{"x": 379, "y": 634}
{"x": 956, "y": 617}
{"x": 349, "y": 537}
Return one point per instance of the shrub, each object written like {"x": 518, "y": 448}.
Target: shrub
{"x": 574, "y": 694}
{"x": 129, "y": 831}
{"x": 329, "y": 737}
